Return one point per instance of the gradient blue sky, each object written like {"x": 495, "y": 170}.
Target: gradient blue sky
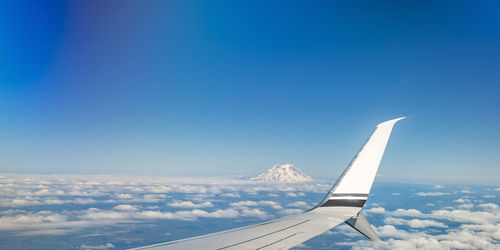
{"x": 204, "y": 88}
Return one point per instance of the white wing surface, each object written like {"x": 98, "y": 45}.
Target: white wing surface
{"x": 342, "y": 204}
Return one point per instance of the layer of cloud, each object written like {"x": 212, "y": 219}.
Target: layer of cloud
{"x": 469, "y": 222}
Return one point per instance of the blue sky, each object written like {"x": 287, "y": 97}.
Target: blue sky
{"x": 201, "y": 88}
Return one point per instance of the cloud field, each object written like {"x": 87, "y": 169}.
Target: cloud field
{"x": 103, "y": 212}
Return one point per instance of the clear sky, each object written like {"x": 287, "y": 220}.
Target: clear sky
{"x": 206, "y": 88}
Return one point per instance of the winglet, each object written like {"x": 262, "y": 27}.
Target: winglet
{"x": 355, "y": 183}
{"x": 391, "y": 122}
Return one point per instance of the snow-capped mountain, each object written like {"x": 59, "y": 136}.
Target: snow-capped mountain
{"x": 283, "y": 173}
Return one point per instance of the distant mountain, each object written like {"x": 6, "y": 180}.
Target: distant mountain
{"x": 283, "y": 173}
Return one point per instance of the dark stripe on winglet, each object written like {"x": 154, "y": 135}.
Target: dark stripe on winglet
{"x": 344, "y": 203}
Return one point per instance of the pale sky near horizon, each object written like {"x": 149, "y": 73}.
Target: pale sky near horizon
{"x": 200, "y": 88}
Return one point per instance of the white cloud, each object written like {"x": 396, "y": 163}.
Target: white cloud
{"x": 272, "y": 204}
{"x": 431, "y": 193}
{"x": 465, "y": 216}
{"x": 162, "y": 215}
{"x": 45, "y": 222}
{"x": 375, "y": 210}
{"x": 465, "y": 238}
{"x": 90, "y": 183}
{"x": 189, "y": 204}
{"x": 297, "y": 204}
{"x": 124, "y": 196}
{"x": 396, "y": 194}
{"x": 457, "y": 215}
{"x": 414, "y": 223}
{"x": 83, "y": 201}
{"x": 231, "y": 195}
{"x": 125, "y": 208}
{"x": 193, "y": 214}
{"x": 254, "y": 213}
{"x": 487, "y": 196}
{"x": 31, "y": 201}
{"x": 407, "y": 212}
{"x": 465, "y": 206}
{"x": 153, "y": 198}
{"x": 488, "y": 206}
{"x": 77, "y": 192}
{"x": 54, "y": 201}
{"x": 438, "y": 187}
{"x": 97, "y": 214}
{"x": 129, "y": 216}
{"x": 42, "y": 192}
{"x": 222, "y": 213}
{"x": 159, "y": 189}
{"x": 391, "y": 231}
{"x": 492, "y": 230}
{"x": 46, "y": 232}
{"x": 248, "y": 203}
{"x": 243, "y": 203}
{"x": 188, "y": 189}
{"x": 28, "y": 201}
{"x": 462, "y": 200}
{"x": 98, "y": 247}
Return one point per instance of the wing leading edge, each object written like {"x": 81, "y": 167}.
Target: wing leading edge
{"x": 343, "y": 203}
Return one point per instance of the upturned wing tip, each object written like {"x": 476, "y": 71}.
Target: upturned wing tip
{"x": 391, "y": 122}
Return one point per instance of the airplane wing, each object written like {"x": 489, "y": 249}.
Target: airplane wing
{"x": 342, "y": 204}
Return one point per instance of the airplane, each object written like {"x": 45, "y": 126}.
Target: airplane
{"x": 343, "y": 203}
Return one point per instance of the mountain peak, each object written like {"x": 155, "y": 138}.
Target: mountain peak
{"x": 283, "y": 173}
